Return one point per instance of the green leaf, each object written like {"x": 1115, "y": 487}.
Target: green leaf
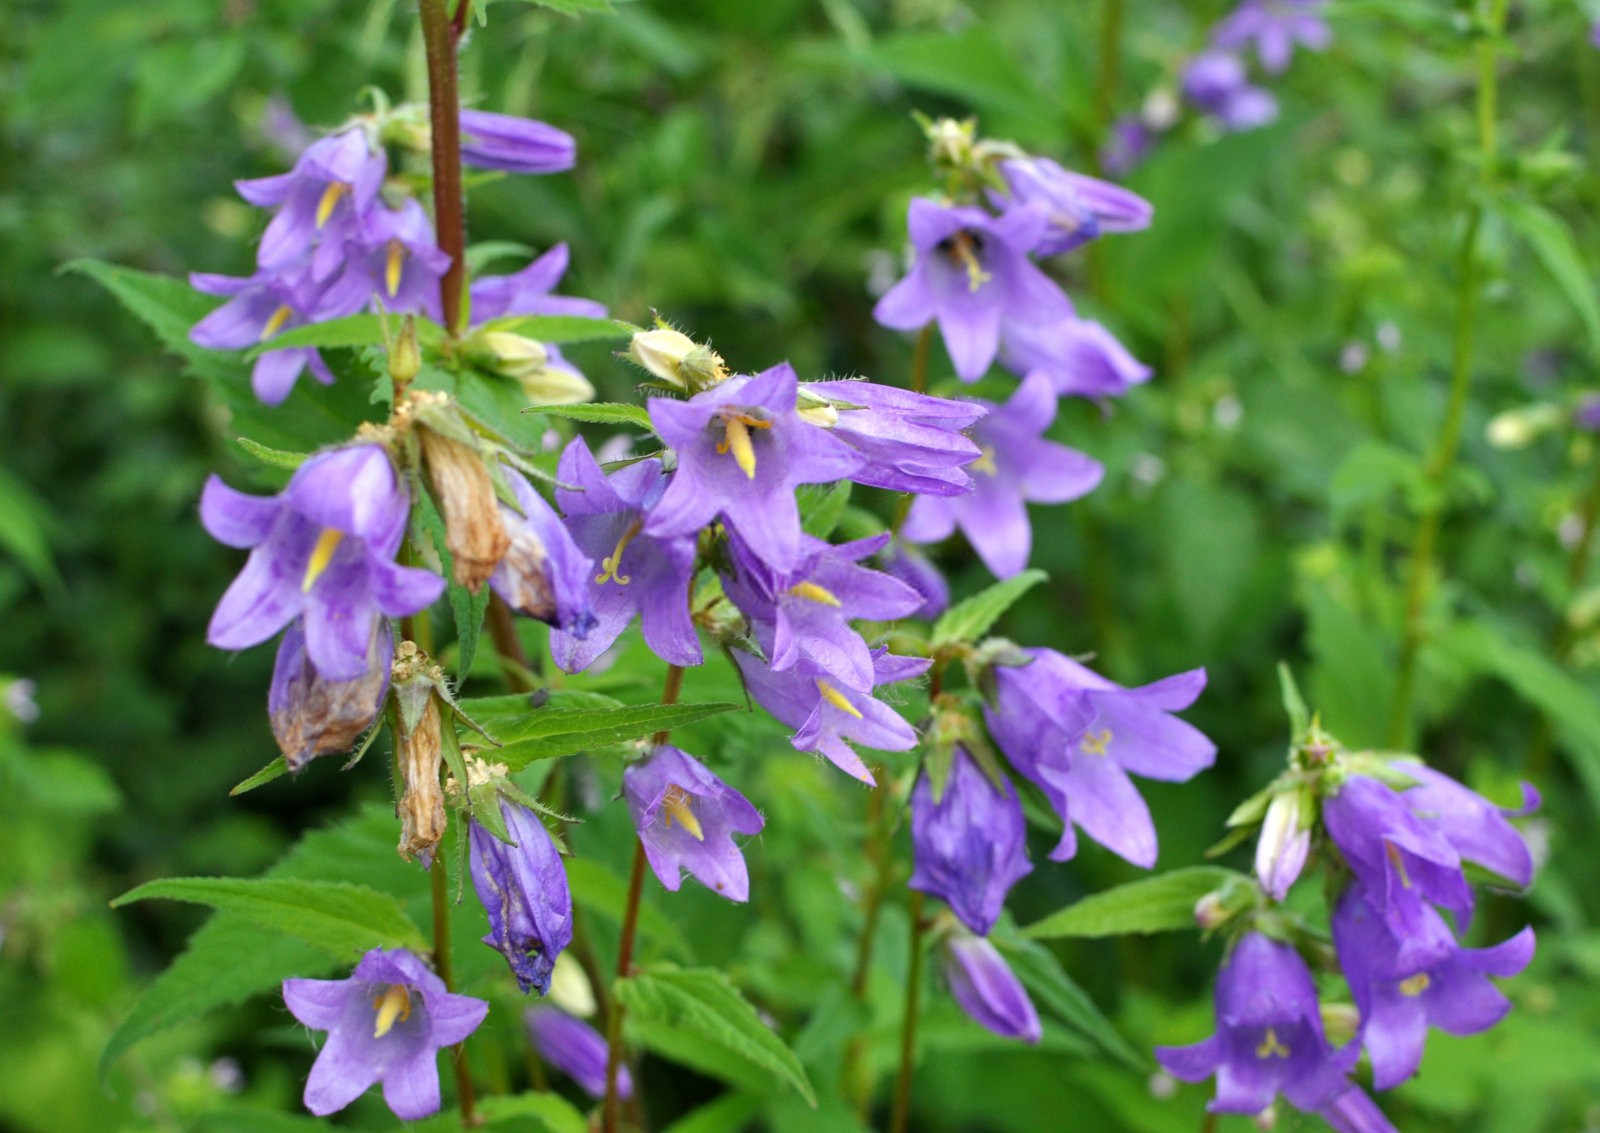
{"x": 600, "y": 413}
{"x": 552, "y": 1112}
{"x": 1294, "y": 704}
{"x": 970, "y": 619}
{"x": 972, "y": 65}
{"x": 563, "y": 328}
{"x": 731, "y": 1113}
{"x": 1037, "y": 967}
{"x": 822, "y": 506}
{"x": 352, "y": 330}
{"x": 341, "y": 919}
{"x": 1151, "y": 904}
{"x": 696, "y": 1015}
{"x": 22, "y": 528}
{"x": 276, "y": 457}
{"x": 276, "y": 769}
{"x": 1552, "y": 242}
{"x": 550, "y": 732}
{"x": 601, "y": 891}
{"x": 166, "y": 305}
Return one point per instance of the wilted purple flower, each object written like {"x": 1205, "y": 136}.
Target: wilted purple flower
{"x": 312, "y": 716}
{"x": 528, "y": 292}
{"x": 397, "y": 257}
{"x": 1474, "y": 827}
{"x": 1127, "y": 146}
{"x": 910, "y": 442}
{"x": 1017, "y": 466}
{"x": 1283, "y": 845}
{"x": 637, "y": 573}
{"x": 1077, "y": 736}
{"x": 969, "y": 847}
{"x": 544, "y": 574}
{"x": 1275, "y": 26}
{"x": 1353, "y": 1111}
{"x": 686, "y": 818}
{"x": 973, "y": 275}
{"x": 913, "y": 568}
{"x": 1078, "y": 207}
{"x": 332, "y": 185}
{"x": 1448, "y": 986}
{"x": 386, "y": 1023}
{"x": 514, "y": 145}
{"x": 576, "y": 1049}
{"x": 1269, "y": 1036}
{"x": 1079, "y": 356}
{"x": 987, "y": 990}
{"x": 1216, "y": 83}
{"x": 323, "y": 550}
{"x": 742, "y": 449}
{"x": 523, "y": 888}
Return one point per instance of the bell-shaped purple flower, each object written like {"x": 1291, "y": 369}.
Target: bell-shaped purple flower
{"x": 973, "y": 275}
{"x": 1275, "y": 26}
{"x": 1079, "y": 356}
{"x": 1475, "y": 828}
{"x": 544, "y": 574}
{"x": 312, "y": 716}
{"x": 385, "y": 1023}
{"x": 1018, "y": 465}
{"x": 1215, "y": 82}
{"x": 395, "y": 255}
{"x": 917, "y": 571}
{"x": 1352, "y": 1110}
{"x": 576, "y": 1049}
{"x": 514, "y": 145}
{"x": 1078, "y": 208}
{"x": 910, "y": 442}
{"x": 969, "y": 847}
{"x": 686, "y": 818}
{"x": 523, "y": 888}
{"x": 742, "y": 449}
{"x": 1077, "y": 736}
{"x": 1127, "y": 146}
{"x": 528, "y": 292}
{"x": 987, "y": 989}
{"x": 322, "y": 550}
{"x": 1269, "y": 1036}
{"x": 324, "y": 197}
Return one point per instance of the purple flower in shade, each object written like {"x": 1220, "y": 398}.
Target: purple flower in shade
{"x": 1594, "y": 34}
{"x": 527, "y": 292}
{"x": 1474, "y": 827}
{"x": 1353, "y": 1111}
{"x": 312, "y": 716}
{"x": 1077, "y": 736}
{"x": 544, "y": 574}
{"x": 1587, "y": 415}
{"x": 914, "y": 569}
{"x": 637, "y": 573}
{"x": 576, "y": 1049}
{"x": 1215, "y": 82}
{"x": 385, "y": 1023}
{"x": 825, "y": 715}
{"x": 973, "y": 275}
{"x": 1017, "y": 465}
{"x": 523, "y": 888}
{"x": 1275, "y": 26}
{"x": 1080, "y": 357}
{"x": 970, "y": 847}
{"x": 397, "y": 259}
{"x": 686, "y": 818}
{"x": 742, "y": 448}
{"x": 514, "y": 145}
{"x": 331, "y": 187}
{"x": 322, "y": 550}
{"x": 1447, "y": 987}
{"x": 910, "y": 442}
{"x": 1269, "y": 1036}
{"x": 1128, "y": 145}
{"x": 987, "y": 990}
{"x": 1079, "y": 208}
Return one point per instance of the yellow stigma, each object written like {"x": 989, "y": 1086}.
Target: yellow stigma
{"x": 611, "y": 565}
{"x": 330, "y": 198}
{"x": 321, "y": 555}
{"x": 275, "y": 323}
{"x": 836, "y": 698}
{"x": 965, "y": 252}
{"x": 1415, "y": 985}
{"x": 392, "y": 266}
{"x": 1095, "y": 743}
{"x": 985, "y": 461}
{"x": 815, "y": 593}
{"x": 737, "y": 441}
{"x": 393, "y": 1005}
{"x": 676, "y": 805}
{"x": 1270, "y": 1046}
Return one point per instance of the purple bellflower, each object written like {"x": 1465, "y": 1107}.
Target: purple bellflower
{"x": 686, "y": 818}
{"x": 636, "y": 573}
{"x": 1215, "y": 82}
{"x": 1587, "y": 415}
{"x": 1269, "y": 1036}
{"x": 970, "y": 847}
{"x": 322, "y": 550}
{"x": 514, "y": 145}
{"x": 1079, "y": 356}
{"x": 528, "y": 292}
{"x": 910, "y": 442}
{"x": 1127, "y": 146}
{"x": 972, "y": 274}
{"x": 1077, "y": 736}
{"x": 385, "y": 1023}
{"x": 1275, "y": 26}
{"x": 576, "y": 1049}
{"x": 1017, "y": 465}
{"x": 742, "y": 448}
{"x": 324, "y": 197}
{"x": 987, "y": 990}
{"x": 917, "y": 571}
{"x": 1079, "y": 208}
{"x": 396, "y": 257}
{"x": 1475, "y": 828}
{"x": 544, "y": 574}
{"x": 1352, "y": 1110}
{"x": 523, "y": 889}
{"x": 312, "y": 716}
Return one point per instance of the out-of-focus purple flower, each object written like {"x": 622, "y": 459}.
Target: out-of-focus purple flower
{"x": 1587, "y": 415}
{"x": 987, "y": 990}
{"x": 686, "y": 818}
{"x": 397, "y": 257}
{"x": 636, "y": 573}
{"x": 1594, "y": 34}
{"x": 1353, "y": 1111}
{"x": 972, "y": 274}
{"x": 514, "y": 145}
{"x": 1215, "y": 82}
{"x": 576, "y": 1049}
{"x": 1275, "y": 26}
{"x": 1078, "y": 207}
{"x": 1283, "y": 845}
{"x": 742, "y": 449}
{"x": 1448, "y": 987}
{"x": 970, "y": 846}
{"x": 282, "y": 128}
{"x": 523, "y": 889}
{"x": 1078, "y": 736}
{"x": 1079, "y": 356}
{"x": 312, "y": 716}
{"x": 910, "y": 442}
{"x": 385, "y": 1023}
{"x": 528, "y": 292}
{"x": 323, "y": 550}
{"x": 1017, "y": 465}
{"x": 913, "y": 568}
{"x": 1127, "y": 146}
{"x": 1269, "y": 1036}
{"x": 1474, "y": 827}
{"x": 544, "y": 574}
{"x": 331, "y": 187}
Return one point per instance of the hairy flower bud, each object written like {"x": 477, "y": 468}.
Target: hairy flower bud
{"x": 405, "y": 359}
{"x": 556, "y": 385}
{"x": 676, "y": 358}
{"x": 510, "y": 354}
{"x": 422, "y": 817}
{"x": 473, "y": 529}
{"x": 313, "y": 716}
{"x": 1284, "y": 843}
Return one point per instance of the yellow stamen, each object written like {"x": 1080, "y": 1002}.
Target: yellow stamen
{"x": 1270, "y": 1046}
{"x": 611, "y": 565}
{"x": 738, "y": 442}
{"x": 815, "y": 593}
{"x": 676, "y": 805}
{"x": 836, "y": 698}
{"x": 394, "y": 1005}
{"x": 321, "y": 555}
{"x": 1095, "y": 743}
{"x": 330, "y": 198}
{"x": 1415, "y": 985}
{"x": 985, "y": 461}
{"x": 275, "y": 323}
{"x": 1398, "y": 862}
{"x": 391, "y": 268}
{"x": 963, "y": 250}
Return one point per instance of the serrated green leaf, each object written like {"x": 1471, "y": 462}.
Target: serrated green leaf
{"x": 274, "y": 770}
{"x": 971, "y": 618}
{"x": 563, "y": 328}
{"x": 352, "y": 330}
{"x": 1151, "y": 904}
{"x": 1552, "y": 242}
{"x": 1039, "y": 970}
{"x": 550, "y": 732}
{"x": 276, "y": 457}
{"x": 599, "y": 413}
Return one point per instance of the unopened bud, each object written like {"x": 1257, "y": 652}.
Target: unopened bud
{"x": 569, "y": 987}
{"x": 312, "y": 716}
{"x": 510, "y": 354}
{"x": 1210, "y": 911}
{"x": 950, "y": 142}
{"x": 1284, "y": 842}
{"x": 677, "y": 359}
{"x": 476, "y": 536}
{"x": 1518, "y": 428}
{"x": 556, "y": 385}
{"x": 405, "y": 358}
{"x": 422, "y": 817}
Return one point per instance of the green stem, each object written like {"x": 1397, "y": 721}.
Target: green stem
{"x": 855, "y": 1077}
{"x": 441, "y": 966}
{"x": 440, "y": 37}
{"x": 1107, "y": 79}
{"x": 908, "y": 1023}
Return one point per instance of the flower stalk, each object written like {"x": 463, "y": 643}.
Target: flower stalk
{"x": 441, "y": 36}
{"x": 908, "y": 1022}
{"x": 441, "y": 966}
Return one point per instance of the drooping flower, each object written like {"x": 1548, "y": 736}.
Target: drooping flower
{"x": 312, "y": 716}
{"x": 523, "y": 888}
{"x": 1474, "y": 827}
{"x": 1079, "y": 208}
{"x": 1275, "y": 26}
{"x": 322, "y": 550}
{"x": 909, "y": 442}
{"x": 385, "y": 1023}
{"x": 686, "y": 818}
{"x": 1269, "y": 1036}
{"x": 544, "y": 574}
{"x": 1352, "y": 1110}
{"x": 1077, "y": 736}
{"x": 576, "y": 1049}
{"x": 972, "y": 274}
{"x": 1017, "y": 466}
{"x": 1079, "y": 356}
{"x": 987, "y": 989}
{"x": 913, "y": 568}
{"x": 1216, "y": 83}
{"x": 514, "y": 145}
{"x": 323, "y": 198}
{"x": 970, "y": 846}
{"x": 742, "y": 449}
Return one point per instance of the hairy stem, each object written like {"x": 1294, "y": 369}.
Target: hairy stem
{"x": 440, "y": 36}
{"x": 441, "y": 965}
{"x": 908, "y": 1023}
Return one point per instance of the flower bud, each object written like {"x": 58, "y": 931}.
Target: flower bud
{"x": 1283, "y": 845}
{"x": 987, "y": 989}
{"x": 523, "y": 888}
{"x": 1518, "y": 428}
{"x": 422, "y": 817}
{"x": 473, "y": 528}
{"x": 676, "y": 358}
{"x": 570, "y": 989}
{"x": 312, "y": 716}
{"x": 576, "y": 1049}
{"x": 1210, "y": 911}
{"x": 510, "y": 354}
{"x": 405, "y": 358}
{"x": 950, "y": 142}
{"x": 556, "y": 385}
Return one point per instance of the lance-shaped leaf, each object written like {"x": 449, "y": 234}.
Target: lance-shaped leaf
{"x": 971, "y": 618}
{"x": 1151, "y": 904}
